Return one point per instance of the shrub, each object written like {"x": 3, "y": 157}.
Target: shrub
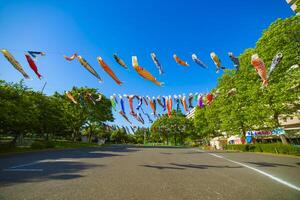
{"x": 42, "y": 145}
{"x": 268, "y": 148}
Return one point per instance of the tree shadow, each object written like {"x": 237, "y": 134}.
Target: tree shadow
{"x": 54, "y": 164}
{"x": 121, "y": 148}
{"x": 49, "y": 171}
{"x": 195, "y": 166}
{"x": 193, "y": 152}
{"x": 66, "y": 176}
{"x": 265, "y": 164}
{"x": 187, "y": 166}
{"x": 161, "y": 167}
{"x": 166, "y": 153}
{"x": 161, "y": 147}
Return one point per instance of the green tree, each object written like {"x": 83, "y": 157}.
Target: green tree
{"x": 241, "y": 102}
{"x": 173, "y": 129}
{"x": 119, "y": 136}
{"x": 85, "y": 114}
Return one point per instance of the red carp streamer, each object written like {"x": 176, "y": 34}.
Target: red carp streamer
{"x": 33, "y": 65}
{"x": 209, "y": 98}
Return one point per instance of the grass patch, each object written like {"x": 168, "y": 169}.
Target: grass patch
{"x": 70, "y": 144}
{"x": 40, "y": 145}
{"x": 277, "y": 148}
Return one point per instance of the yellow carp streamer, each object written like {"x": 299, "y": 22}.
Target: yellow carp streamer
{"x": 87, "y": 66}
{"x": 14, "y": 63}
{"x": 217, "y": 61}
{"x": 108, "y": 70}
{"x": 179, "y": 61}
{"x": 144, "y": 73}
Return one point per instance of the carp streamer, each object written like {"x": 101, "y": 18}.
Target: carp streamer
{"x": 108, "y": 70}
{"x": 14, "y": 63}
{"x": 180, "y": 61}
{"x": 144, "y": 73}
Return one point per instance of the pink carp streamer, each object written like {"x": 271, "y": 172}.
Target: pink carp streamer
{"x": 70, "y": 58}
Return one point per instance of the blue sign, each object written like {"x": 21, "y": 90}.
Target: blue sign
{"x": 278, "y": 131}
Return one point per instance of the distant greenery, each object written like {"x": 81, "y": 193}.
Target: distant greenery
{"x": 250, "y": 106}
{"x": 277, "y": 148}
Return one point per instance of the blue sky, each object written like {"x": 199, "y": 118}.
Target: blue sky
{"x": 133, "y": 27}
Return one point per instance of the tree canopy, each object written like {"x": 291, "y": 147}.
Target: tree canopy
{"x": 241, "y": 103}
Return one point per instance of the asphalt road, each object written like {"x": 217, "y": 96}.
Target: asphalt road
{"x": 128, "y": 172}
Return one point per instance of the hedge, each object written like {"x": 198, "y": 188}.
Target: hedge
{"x": 277, "y": 148}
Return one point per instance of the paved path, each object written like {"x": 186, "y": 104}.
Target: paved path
{"x": 128, "y": 172}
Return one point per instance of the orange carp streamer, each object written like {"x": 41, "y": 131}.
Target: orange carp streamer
{"x": 70, "y": 96}
{"x": 180, "y": 61}
{"x": 108, "y": 70}
{"x": 71, "y": 57}
{"x": 153, "y": 107}
{"x": 144, "y": 73}
{"x": 169, "y": 103}
{"x": 260, "y": 68}
{"x": 184, "y": 103}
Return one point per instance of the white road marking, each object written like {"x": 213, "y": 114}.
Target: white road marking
{"x": 17, "y": 167}
{"x": 23, "y": 170}
{"x": 259, "y": 171}
{"x": 24, "y": 165}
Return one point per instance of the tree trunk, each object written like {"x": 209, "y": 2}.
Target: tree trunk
{"x": 167, "y": 138}
{"x": 282, "y": 137}
{"x": 175, "y": 142}
{"x": 13, "y": 143}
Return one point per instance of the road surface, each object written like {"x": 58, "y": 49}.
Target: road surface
{"x": 129, "y": 172}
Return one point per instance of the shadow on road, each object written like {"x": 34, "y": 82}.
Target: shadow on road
{"x": 204, "y": 166}
{"x": 166, "y": 153}
{"x": 54, "y": 165}
{"x": 265, "y": 164}
{"x": 187, "y": 166}
{"x": 161, "y": 147}
{"x": 51, "y": 171}
{"x": 161, "y": 167}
